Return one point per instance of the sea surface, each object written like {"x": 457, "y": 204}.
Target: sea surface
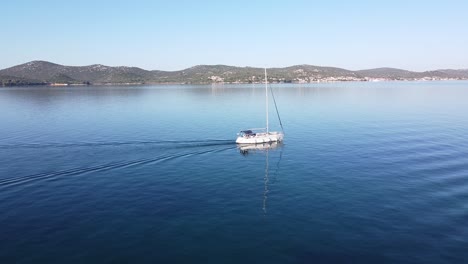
{"x": 367, "y": 173}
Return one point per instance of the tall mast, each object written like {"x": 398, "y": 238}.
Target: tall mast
{"x": 266, "y": 99}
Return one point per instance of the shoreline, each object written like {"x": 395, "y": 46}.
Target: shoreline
{"x": 220, "y": 83}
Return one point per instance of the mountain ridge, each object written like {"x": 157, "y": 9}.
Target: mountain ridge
{"x": 48, "y": 73}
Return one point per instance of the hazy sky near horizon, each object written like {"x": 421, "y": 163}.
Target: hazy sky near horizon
{"x": 172, "y": 35}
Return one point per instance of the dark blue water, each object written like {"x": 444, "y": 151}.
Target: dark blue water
{"x": 368, "y": 173}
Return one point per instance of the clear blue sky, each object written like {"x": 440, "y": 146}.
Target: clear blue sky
{"x": 172, "y": 35}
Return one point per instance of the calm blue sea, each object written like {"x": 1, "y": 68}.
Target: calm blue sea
{"x": 368, "y": 173}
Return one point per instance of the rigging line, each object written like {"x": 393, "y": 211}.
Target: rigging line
{"x": 276, "y": 107}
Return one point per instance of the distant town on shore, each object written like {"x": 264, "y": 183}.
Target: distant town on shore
{"x": 47, "y": 73}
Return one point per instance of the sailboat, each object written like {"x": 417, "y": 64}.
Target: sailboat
{"x": 261, "y": 135}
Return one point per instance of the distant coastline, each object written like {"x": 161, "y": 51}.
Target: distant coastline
{"x": 209, "y": 83}
{"x": 51, "y": 74}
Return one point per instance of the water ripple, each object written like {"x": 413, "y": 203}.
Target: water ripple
{"x": 109, "y": 166}
{"x": 167, "y": 143}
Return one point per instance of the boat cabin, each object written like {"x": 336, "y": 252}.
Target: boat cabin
{"x": 247, "y": 133}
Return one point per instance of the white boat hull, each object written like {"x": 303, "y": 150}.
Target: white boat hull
{"x": 260, "y": 138}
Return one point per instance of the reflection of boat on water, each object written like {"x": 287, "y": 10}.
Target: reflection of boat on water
{"x": 262, "y": 135}
{"x": 264, "y": 148}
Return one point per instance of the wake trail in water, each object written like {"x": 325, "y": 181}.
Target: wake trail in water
{"x": 104, "y": 167}
{"x": 165, "y": 143}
